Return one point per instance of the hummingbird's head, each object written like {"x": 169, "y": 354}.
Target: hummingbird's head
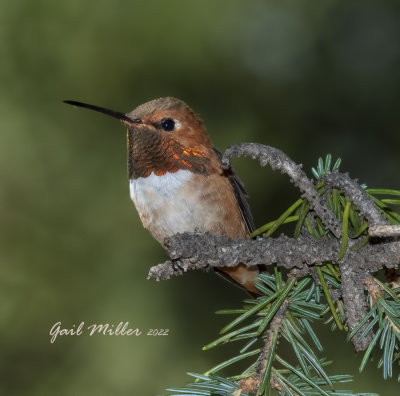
{"x": 173, "y": 119}
{"x": 164, "y": 135}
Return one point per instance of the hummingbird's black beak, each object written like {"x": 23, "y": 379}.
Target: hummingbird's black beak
{"x": 116, "y": 114}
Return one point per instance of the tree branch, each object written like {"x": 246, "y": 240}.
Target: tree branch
{"x": 191, "y": 251}
{"x": 357, "y": 195}
{"x": 278, "y": 160}
{"x": 384, "y": 231}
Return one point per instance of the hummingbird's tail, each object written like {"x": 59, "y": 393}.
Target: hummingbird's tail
{"x": 242, "y": 276}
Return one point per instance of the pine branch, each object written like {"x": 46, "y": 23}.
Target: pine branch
{"x": 357, "y": 196}
{"x": 343, "y": 235}
{"x": 193, "y": 251}
{"x": 384, "y": 231}
{"x": 324, "y": 239}
{"x": 278, "y": 160}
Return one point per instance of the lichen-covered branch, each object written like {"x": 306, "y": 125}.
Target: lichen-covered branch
{"x": 278, "y": 160}
{"x": 384, "y": 231}
{"x": 192, "y": 251}
{"x": 357, "y": 195}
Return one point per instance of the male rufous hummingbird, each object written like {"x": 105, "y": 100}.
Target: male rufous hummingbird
{"x": 176, "y": 179}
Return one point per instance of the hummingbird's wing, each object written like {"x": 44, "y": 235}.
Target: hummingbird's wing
{"x": 240, "y": 195}
{"x": 240, "y": 271}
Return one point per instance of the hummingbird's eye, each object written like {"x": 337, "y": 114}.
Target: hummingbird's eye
{"x": 168, "y": 124}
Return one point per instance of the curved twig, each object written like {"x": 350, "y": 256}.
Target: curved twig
{"x": 278, "y": 160}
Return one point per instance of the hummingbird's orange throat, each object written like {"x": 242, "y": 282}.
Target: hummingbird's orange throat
{"x": 149, "y": 152}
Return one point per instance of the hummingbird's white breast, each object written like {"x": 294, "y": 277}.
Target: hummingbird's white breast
{"x": 185, "y": 202}
{"x": 163, "y": 203}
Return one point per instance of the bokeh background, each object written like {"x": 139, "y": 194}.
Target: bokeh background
{"x": 309, "y": 77}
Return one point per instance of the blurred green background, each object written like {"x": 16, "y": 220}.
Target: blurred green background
{"x": 309, "y": 77}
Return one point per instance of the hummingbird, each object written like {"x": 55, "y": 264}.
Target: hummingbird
{"x": 176, "y": 179}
